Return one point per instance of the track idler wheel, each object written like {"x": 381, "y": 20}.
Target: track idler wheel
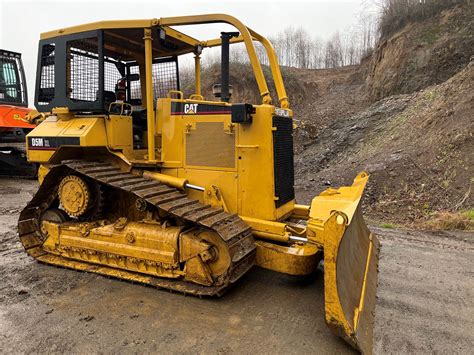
{"x": 206, "y": 255}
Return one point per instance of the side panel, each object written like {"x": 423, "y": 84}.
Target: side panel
{"x": 257, "y": 161}
{"x": 119, "y": 132}
{"x": 201, "y": 144}
{"x": 171, "y": 129}
{"x": 255, "y": 152}
{"x": 53, "y": 133}
{"x": 10, "y": 116}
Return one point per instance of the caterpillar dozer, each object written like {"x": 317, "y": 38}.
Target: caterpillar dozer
{"x": 141, "y": 183}
{"x": 13, "y": 110}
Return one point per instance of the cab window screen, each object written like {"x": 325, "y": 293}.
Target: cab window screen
{"x": 12, "y": 85}
{"x": 135, "y": 86}
{"x": 164, "y": 75}
{"x": 46, "y": 85}
{"x": 83, "y": 70}
{"x": 111, "y": 74}
{"x": 165, "y": 78}
{"x": 9, "y": 89}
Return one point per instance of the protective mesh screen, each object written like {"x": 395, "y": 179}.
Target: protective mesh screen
{"x": 46, "y": 89}
{"x": 165, "y": 78}
{"x": 135, "y": 88}
{"x": 83, "y": 83}
{"x": 111, "y": 75}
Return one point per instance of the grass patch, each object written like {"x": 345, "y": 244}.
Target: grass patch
{"x": 430, "y": 35}
{"x": 388, "y": 225}
{"x": 430, "y": 95}
{"x": 451, "y": 221}
{"x": 469, "y": 214}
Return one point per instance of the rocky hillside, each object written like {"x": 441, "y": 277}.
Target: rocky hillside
{"x": 418, "y": 148}
{"x": 422, "y": 53}
{"x": 405, "y": 115}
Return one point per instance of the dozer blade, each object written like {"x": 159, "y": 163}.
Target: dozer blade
{"x": 351, "y": 255}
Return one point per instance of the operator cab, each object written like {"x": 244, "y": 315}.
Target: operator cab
{"x": 107, "y": 66}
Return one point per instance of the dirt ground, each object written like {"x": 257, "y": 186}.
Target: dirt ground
{"x": 425, "y": 303}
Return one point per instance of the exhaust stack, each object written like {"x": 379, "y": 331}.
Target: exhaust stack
{"x": 225, "y": 42}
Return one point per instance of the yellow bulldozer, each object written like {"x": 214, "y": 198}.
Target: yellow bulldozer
{"x": 141, "y": 183}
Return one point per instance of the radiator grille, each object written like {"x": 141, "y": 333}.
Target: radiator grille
{"x": 283, "y": 160}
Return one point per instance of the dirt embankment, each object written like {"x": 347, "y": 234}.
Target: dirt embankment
{"x": 422, "y": 53}
{"x": 417, "y": 147}
{"x": 416, "y": 141}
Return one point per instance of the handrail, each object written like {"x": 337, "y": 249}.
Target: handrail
{"x": 247, "y": 36}
{"x": 275, "y": 68}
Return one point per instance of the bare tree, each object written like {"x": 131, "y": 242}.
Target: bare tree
{"x": 394, "y": 14}
{"x": 295, "y": 47}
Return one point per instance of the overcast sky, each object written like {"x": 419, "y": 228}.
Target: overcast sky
{"x": 21, "y": 22}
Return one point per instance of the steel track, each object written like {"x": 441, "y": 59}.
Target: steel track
{"x": 233, "y": 231}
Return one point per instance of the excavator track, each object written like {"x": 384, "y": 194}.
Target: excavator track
{"x": 234, "y": 232}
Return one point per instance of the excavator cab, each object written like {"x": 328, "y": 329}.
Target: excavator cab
{"x": 13, "y": 107}
{"x": 12, "y": 80}
{"x": 187, "y": 193}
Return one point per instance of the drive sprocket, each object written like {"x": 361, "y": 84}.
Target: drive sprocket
{"x": 74, "y": 195}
